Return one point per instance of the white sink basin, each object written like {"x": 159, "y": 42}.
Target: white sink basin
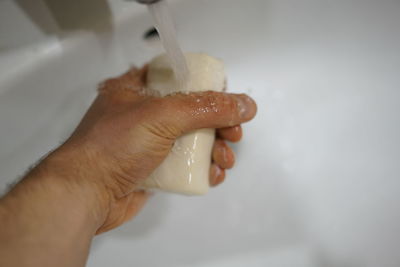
{"x": 317, "y": 177}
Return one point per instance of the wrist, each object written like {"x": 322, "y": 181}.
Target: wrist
{"x": 52, "y": 213}
{"x": 67, "y": 171}
{"x": 42, "y": 221}
{"x": 56, "y": 192}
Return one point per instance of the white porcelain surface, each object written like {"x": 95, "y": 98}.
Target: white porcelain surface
{"x": 317, "y": 177}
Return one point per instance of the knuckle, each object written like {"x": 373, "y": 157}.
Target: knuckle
{"x": 229, "y": 104}
{"x": 214, "y": 102}
{"x": 233, "y": 105}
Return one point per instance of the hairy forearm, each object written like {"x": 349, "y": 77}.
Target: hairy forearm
{"x": 46, "y": 221}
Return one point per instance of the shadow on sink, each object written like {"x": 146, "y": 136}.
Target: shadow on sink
{"x": 90, "y": 15}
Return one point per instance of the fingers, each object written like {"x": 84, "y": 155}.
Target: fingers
{"x": 223, "y": 155}
{"x": 223, "y": 158}
{"x": 232, "y": 134}
{"x": 187, "y": 112}
{"x": 217, "y": 175}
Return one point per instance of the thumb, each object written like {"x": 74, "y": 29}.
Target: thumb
{"x": 186, "y": 112}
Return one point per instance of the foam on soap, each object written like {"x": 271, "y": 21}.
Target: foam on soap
{"x": 186, "y": 169}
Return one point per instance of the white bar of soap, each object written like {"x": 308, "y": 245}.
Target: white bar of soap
{"x": 186, "y": 169}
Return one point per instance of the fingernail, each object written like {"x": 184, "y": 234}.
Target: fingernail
{"x": 245, "y": 106}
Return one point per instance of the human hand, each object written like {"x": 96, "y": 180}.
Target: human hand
{"x": 125, "y": 135}
{"x": 90, "y": 183}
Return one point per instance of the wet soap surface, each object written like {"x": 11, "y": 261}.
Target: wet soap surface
{"x": 186, "y": 169}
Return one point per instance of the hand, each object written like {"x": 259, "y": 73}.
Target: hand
{"x": 125, "y": 135}
{"x": 90, "y": 184}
